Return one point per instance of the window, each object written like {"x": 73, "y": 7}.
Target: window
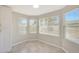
{"x": 22, "y": 24}
{"x": 72, "y": 25}
{"x": 53, "y": 25}
{"x": 42, "y": 26}
{"x": 49, "y": 25}
{"x": 33, "y": 26}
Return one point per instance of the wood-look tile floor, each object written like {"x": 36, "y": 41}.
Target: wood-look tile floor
{"x": 35, "y": 47}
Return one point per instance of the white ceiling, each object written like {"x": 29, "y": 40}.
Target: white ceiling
{"x": 29, "y": 10}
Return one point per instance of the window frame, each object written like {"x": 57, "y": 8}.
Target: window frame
{"x": 73, "y": 40}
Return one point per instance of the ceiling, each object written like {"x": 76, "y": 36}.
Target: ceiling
{"x": 29, "y": 10}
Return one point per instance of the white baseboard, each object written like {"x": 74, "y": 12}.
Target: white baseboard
{"x": 54, "y": 45}
{"x": 65, "y": 50}
{"x": 23, "y": 41}
{"x": 50, "y": 43}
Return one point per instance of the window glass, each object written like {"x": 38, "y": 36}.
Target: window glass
{"x": 49, "y": 25}
{"x": 22, "y": 24}
{"x": 72, "y": 25}
{"x": 33, "y": 26}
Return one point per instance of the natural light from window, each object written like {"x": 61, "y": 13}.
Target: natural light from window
{"x": 72, "y": 25}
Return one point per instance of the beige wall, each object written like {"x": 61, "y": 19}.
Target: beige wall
{"x": 6, "y": 29}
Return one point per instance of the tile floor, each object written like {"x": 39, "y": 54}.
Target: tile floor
{"x": 35, "y": 47}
